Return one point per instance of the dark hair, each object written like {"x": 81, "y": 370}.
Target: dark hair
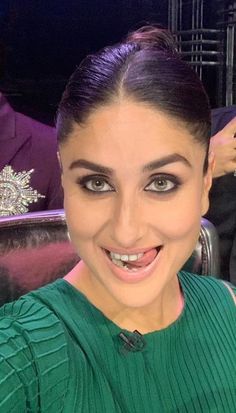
{"x": 146, "y": 68}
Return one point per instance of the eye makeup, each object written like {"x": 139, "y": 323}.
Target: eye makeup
{"x": 167, "y": 183}
{"x": 95, "y": 184}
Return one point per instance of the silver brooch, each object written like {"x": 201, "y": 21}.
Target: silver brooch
{"x": 15, "y": 192}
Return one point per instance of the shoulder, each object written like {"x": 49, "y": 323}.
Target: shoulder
{"x": 209, "y": 304}
{"x": 43, "y": 144}
{"x": 31, "y": 308}
{"x": 232, "y": 290}
{"x": 33, "y": 355}
{"x": 213, "y": 291}
{"x": 27, "y": 125}
{"x": 25, "y": 309}
{"x": 221, "y": 116}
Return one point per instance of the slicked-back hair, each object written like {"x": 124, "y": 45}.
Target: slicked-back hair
{"x": 145, "y": 68}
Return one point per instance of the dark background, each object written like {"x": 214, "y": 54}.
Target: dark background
{"x": 41, "y": 42}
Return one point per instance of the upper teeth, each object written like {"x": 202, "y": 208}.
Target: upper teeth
{"x": 124, "y": 257}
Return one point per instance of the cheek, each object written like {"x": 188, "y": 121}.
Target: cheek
{"x": 181, "y": 218}
{"x": 85, "y": 220}
{"x": 185, "y": 226}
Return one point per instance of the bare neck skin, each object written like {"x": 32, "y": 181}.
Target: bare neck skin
{"x": 156, "y": 316}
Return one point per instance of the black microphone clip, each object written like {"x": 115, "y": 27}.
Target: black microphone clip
{"x": 132, "y": 341}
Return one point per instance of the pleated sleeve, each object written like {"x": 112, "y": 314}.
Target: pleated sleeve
{"x": 34, "y": 368}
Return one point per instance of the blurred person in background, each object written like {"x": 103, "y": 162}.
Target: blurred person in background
{"x": 222, "y": 211}
{"x": 29, "y": 168}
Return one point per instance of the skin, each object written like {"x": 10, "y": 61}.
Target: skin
{"x": 125, "y": 137}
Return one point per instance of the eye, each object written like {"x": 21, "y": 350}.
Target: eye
{"x": 98, "y": 185}
{"x": 95, "y": 184}
{"x": 162, "y": 184}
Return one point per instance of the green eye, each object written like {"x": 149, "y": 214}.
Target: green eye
{"x": 97, "y": 185}
{"x": 162, "y": 184}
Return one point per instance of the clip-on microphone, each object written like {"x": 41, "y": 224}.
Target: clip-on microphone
{"x": 133, "y": 341}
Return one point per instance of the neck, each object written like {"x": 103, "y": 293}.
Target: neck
{"x": 156, "y": 316}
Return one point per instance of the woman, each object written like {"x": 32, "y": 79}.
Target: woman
{"x": 126, "y": 331}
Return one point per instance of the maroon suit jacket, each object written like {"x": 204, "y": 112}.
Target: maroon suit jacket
{"x": 26, "y": 144}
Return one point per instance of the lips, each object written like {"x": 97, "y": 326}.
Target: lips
{"x": 129, "y": 270}
{"x": 146, "y": 259}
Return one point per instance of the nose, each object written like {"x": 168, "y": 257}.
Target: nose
{"x": 128, "y": 223}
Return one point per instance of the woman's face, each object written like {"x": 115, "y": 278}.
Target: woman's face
{"x": 134, "y": 196}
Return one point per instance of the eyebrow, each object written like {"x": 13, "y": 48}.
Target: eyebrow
{"x": 173, "y": 158}
{"x": 82, "y": 163}
{"x": 158, "y": 163}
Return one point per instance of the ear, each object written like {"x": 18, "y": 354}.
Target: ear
{"x": 60, "y": 164}
{"x": 59, "y": 160}
{"x": 207, "y": 182}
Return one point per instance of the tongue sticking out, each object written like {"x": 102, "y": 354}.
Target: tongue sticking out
{"x": 146, "y": 259}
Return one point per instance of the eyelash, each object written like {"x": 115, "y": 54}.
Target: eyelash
{"x": 85, "y": 180}
{"x": 174, "y": 180}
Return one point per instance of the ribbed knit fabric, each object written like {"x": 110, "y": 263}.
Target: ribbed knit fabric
{"x": 58, "y": 353}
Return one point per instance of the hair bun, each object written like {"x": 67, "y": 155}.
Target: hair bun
{"x": 152, "y": 37}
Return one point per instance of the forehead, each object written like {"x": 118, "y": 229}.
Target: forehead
{"x": 131, "y": 116}
{"x": 130, "y": 130}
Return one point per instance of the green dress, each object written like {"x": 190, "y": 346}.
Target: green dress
{"x": 59, "y": 353}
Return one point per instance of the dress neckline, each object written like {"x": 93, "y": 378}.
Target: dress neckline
{"x": 100, "y": 317}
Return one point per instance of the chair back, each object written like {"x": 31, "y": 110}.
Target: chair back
{"x": 35, "y": 249}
